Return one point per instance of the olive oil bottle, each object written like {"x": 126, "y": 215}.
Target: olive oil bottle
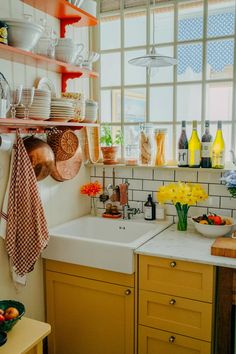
{"x": 194, "y": 148}
{"x": 218, "y": 148}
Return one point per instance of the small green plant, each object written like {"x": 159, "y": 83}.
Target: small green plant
{"x": 106, "y": 137}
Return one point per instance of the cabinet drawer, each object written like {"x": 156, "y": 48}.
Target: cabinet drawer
{"x": 174, "y": 277}
{"x": 175, "y": 314}
{"x": 153, "y": 341}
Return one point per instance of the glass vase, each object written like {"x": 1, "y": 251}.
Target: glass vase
{"x": 182, "y": 212}
{"x": 94, "y": 206}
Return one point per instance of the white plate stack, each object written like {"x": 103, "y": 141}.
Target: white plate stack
{"x": 40, "y": 109}
{"x": 62, "y": 109}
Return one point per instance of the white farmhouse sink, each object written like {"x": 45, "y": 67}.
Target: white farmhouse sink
{"x": 101, "y": 243}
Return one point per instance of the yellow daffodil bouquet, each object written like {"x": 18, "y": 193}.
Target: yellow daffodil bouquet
{"x": 182, "y": 195}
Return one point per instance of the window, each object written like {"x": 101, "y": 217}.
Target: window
{"x": 201, "y": 35}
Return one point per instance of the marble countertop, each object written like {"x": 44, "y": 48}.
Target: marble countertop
{"x": 184, "y": 245}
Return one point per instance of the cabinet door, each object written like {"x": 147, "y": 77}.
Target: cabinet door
{"x": 89, "y": 316}
{"x": 153, "y": 341}
{"x": 175, "y": 314}
{"x": 174, "y": 277}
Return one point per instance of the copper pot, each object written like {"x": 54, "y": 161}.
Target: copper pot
{"x": 41, "y": 156}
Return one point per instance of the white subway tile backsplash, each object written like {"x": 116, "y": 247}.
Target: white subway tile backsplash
{"x": 164, "y": 174}
{"x": 223, "y": 212}
{"x": 221, "y": 190}
{"x": 213, "y": 202}
{"x": 186, "y": 176}
{"x": 141, "y": 195}
{"x": 143, "y": 173}
{"x": 196, "y": 211}
{"x": 135, "y": 184}
{"x": 152, "y": 185}
{"x": 208, "y": 177}
{"x": 99, "y": 170}
{"x": 228, "y": 203}
{"x": 170, "y": 209}
{"x": 123, "y": 172}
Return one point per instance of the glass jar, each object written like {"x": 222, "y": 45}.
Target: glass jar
{"x": 146, "y": 144}
{"x": 3, "y": 32}
{"x": 159, "y": 137}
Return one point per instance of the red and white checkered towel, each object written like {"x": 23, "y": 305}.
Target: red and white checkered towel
{"x": 27, "y": 232}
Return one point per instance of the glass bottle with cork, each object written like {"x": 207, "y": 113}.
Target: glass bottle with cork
{"x": 194, "y": 148}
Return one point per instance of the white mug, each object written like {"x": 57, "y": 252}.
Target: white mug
{"x": 3, "y": 107}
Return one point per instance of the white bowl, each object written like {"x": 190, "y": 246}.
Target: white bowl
{"x": 213, "y": 231}
{"x": 23, "y": 34}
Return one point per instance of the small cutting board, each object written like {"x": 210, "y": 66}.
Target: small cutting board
{"x": 224, "y": 246}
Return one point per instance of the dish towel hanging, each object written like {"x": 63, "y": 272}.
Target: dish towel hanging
{"x": 26, "y": 228}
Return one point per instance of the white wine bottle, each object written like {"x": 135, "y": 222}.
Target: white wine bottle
{"x": 218, "y": 148}
{"x": 194, "y": 148}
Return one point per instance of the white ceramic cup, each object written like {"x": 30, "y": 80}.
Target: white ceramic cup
{"x": 3, "y": 108}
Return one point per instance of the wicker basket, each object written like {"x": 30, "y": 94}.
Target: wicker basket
{"x": 4, "y": 304}
{"x": 64, "y": 143}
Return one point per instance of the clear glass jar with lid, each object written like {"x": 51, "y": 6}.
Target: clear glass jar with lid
{"x": 160, "y": 146}
{"x": 146, "y": 144}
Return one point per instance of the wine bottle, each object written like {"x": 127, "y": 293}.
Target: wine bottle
{"x": 183, "y": 147}
{"x": 206, "y": 151}
{"x": 218, "y": 148}
{"x": 194, "y": 148}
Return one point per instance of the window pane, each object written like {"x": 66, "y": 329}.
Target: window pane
{"x": 189, "y": 62}
{"x": 110, "y": 32}
{"x": 135, "y": 29}
{"x": 164, "y": 74}
{"x": 164, "y": 24}
{"x": 110, "y": 106}
{"x": 189, "y": 102}
{"x": 161, "y": 104}
{"x": 134, "y": 75}
{"x": 135, "y": 105}
{"x": 221, "y": 17}
{"x": 220, "y": 59}
{"x": 110, "y": 69}
{"x": 190, "y": 22}
{"x": 219, "y": 101}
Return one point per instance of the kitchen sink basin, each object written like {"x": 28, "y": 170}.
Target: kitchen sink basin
{"x": 101, "y": 243}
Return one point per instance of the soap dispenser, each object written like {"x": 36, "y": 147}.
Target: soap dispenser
{"x": 149, "y": 209}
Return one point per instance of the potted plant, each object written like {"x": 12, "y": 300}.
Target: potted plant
{"x": 110, "y": 145}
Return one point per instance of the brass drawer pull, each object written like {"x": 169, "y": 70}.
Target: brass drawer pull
{"x": 127, "y": 292}
{"x": 172, "y": 302}
{"x": 173, "y": 264}
{"x": 171, "y": 339}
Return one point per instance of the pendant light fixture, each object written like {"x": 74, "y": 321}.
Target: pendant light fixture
{"x": 153, "y": 59}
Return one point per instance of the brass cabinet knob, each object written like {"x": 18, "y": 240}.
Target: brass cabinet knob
{"x": 172, "y": 302}
{"x": 127, "y": 292}
{"x": 173, "y": 264}
{"x": 171, "y": 339}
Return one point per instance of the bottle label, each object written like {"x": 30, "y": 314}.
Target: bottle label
{"x": 206, "y": 149}
{"x": 194, "y": 158}
{"x": 218, "y": 159}
{"x": 183, "y": 157}
{"x": 148, "y": 212}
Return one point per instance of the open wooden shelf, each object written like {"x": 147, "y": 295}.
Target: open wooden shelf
{"x": 8, "y": 124}
{"x": 28, "y": 58}
{"x": 63, "y": 10}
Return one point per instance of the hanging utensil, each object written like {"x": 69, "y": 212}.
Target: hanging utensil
{"x": 104, "y": 196}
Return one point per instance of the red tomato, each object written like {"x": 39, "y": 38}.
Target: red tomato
{"x": 2, "y": 318}
{"x": 217, "y": 220}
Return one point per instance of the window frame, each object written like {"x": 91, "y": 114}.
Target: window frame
{"x": 96, "y": 88}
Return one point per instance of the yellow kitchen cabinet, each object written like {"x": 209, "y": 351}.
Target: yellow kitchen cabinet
{"x": 175, "y": 306}
{"x": 153, "y": 341}
{"x": 89, "y": 315}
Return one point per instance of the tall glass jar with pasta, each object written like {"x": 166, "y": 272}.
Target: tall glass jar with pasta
{"x": 146, "y": 144}
{"x": 160, "y": 146}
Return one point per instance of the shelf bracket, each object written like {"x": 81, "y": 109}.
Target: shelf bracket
{"x": 66, "y": 77}
{"x": 64, "y": 22}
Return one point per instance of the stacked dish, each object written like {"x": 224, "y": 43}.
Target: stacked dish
{"x": 62, "y": 109}
{"x": 40, "y": 109}
{"x": 91, "y": 111}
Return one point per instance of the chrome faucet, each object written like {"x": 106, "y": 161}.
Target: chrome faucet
{"x": 127, "y": 210}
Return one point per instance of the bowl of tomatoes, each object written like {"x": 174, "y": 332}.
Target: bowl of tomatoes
{"x": 10, "y": 312}
{"x": 212, "y": 225}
